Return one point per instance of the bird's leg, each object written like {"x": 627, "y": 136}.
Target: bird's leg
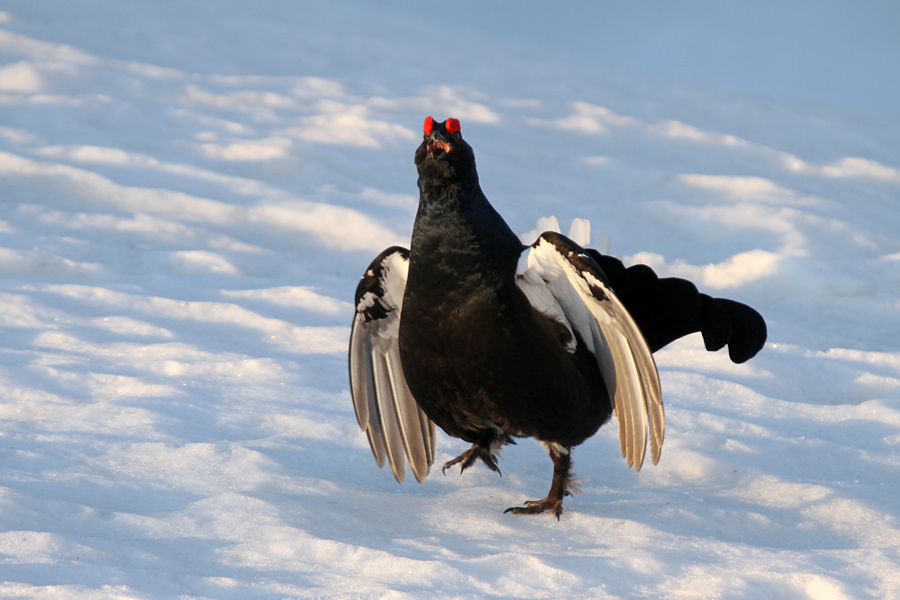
{"x": 559, "y": 488}
{"x": 482, "y": 449}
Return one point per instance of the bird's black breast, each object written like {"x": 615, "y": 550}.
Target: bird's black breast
{"x": 477, "y": 357}
{"x": 475, "y": 354}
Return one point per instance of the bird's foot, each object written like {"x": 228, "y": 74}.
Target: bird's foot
{"x": 559, "y": 488}
{"x": 469, "y": 457}
{"x": 535, "y": 507}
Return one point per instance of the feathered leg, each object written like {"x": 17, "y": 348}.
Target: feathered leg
{"x": 559, "y": 488}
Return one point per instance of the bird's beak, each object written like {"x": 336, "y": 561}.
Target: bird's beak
{"x": 438, "y": 145}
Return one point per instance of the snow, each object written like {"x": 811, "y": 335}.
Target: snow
{"x": 190, "y": 192}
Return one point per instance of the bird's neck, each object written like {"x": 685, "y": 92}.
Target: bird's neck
{"x": 458, "y": 237}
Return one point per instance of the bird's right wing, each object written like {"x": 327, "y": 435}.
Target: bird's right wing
{"x": 563, "y": 282}
{"x": 668, "y": 308}
{"x": 397, "y": 428}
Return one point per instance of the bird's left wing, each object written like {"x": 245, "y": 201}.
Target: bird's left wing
{"x": 563, "y": 281}
{"x": 397, "y": 428}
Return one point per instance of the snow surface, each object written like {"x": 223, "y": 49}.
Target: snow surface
{"x": 191, "y": 190}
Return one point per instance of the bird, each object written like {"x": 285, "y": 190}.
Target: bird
{"x": 492, "y": 340}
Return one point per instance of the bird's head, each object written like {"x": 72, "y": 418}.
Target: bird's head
{"x": 440, "y": 137}
{"x": 444, "y": 154}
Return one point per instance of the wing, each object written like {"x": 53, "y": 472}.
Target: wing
{"x": 397, "y": 429}
{"x": 670, "y": 308}
{"x": 562, "y": 281}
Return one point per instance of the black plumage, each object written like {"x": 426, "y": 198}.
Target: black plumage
{"x": 492, "y": 340}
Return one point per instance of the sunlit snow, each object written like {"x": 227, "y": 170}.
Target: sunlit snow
{"x": 190, "y": 191}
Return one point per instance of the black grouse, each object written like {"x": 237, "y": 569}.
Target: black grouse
{"x": 493, "y": 340}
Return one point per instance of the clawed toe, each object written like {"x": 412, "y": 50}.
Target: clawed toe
{"x": 534, "y": 507}
{"x": 469, "y": 457}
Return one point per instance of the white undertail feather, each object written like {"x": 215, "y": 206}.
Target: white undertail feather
{"x": 579, "y": 232}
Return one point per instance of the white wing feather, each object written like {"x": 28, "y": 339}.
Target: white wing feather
{"x": 397, "y": 429}
{"x": 561, "y": 281}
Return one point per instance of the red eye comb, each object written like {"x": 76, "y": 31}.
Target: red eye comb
{"x": 452, "y": 126}
{"x": 429, "y": 124}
